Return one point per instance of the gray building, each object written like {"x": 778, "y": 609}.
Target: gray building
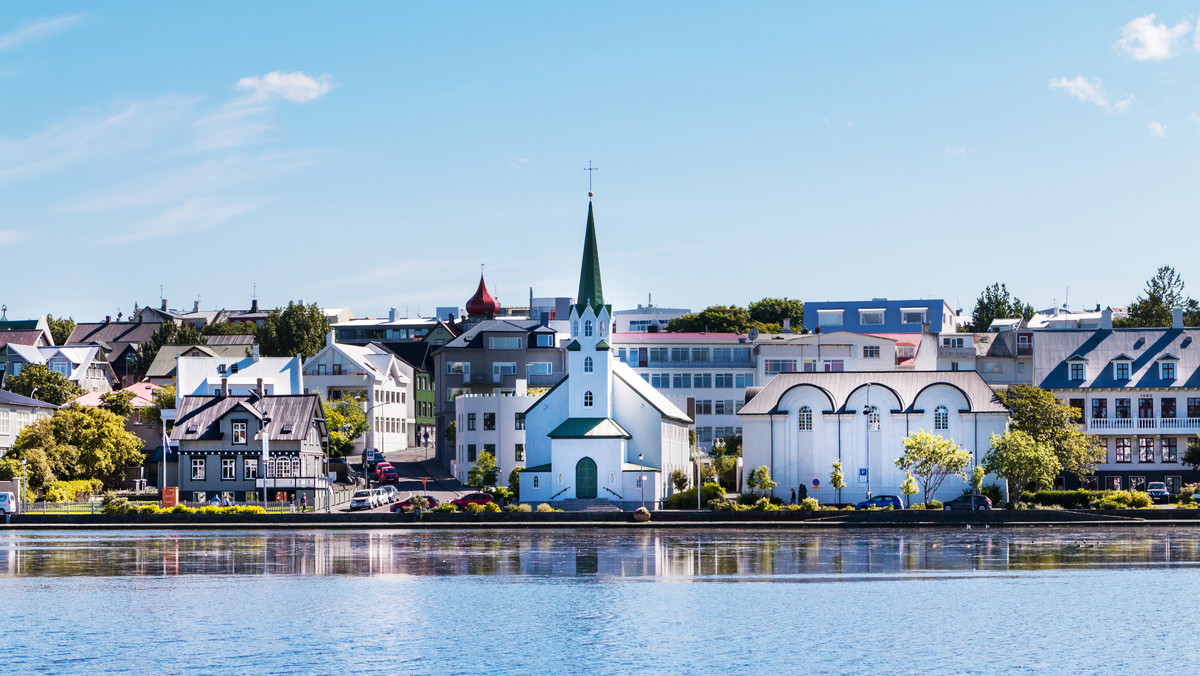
{"x": 489, "y": 358}
{"x": 220, "y": 447}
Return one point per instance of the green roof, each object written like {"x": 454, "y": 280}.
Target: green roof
{"x": 538, "y": 468}
{"x": 603, "y": 345}
{"x": 590, "y": 428}
{"x": 634, "y": 467}
{"x": 591, "y": 290}
{"x": 574, "y": 346}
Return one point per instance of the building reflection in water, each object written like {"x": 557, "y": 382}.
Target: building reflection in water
{"x": 692, "y": 554}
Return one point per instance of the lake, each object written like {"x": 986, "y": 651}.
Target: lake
{"x": 611, "y": 601}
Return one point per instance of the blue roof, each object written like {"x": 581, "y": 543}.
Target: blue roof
{"x": 1144, "y": 348}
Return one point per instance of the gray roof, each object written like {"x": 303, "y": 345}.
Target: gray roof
{"x": 906, "y": 385}
{"x": 14, "y": 399}
{"x": 243, "y": 339}
{"x": 473, "y": 337}
{"x": 1144, "y": 347}
{"x": 112, "y": 332}
{"x": 164, "y": 364}
{"x": 291, "y": 415}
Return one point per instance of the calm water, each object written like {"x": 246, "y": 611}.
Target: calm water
{"x": 568, "y": 602}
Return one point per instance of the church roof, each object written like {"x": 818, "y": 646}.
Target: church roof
{"x": 591, "y": 290}
{"x": 482, "y": 304}
{"x": 590, "y": 428}
{"x": 652, "y": 396}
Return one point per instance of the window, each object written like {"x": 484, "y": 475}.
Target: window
{"x": 504, "y": 368}
{"x": 774, "y": 366}
{"x": 519, "y": 452}
{"x": 658, "y": 353}
{"x": 1020, "y": 367}
{"x": 470, "y": 421}
{"x": 61, "y": 368}
{"x": 587, "y": 398}
{"x": 873, "y": 418}
{"x": 471, "y": 450}
{"x": 834, "y": 366}
{"x": 870, "y": 317}
{"x": 1112, "y": 483}
{"x": 239, "y": 431}
{"x": 1124, "y": 450}
{"x": 1174, "y": 484}
{"x": 704, "y": 407}
{"x": 912, "y": 315}
{"x": 1137, "y": 483}
{"x": 1145, "y": 449}
{"x": 1121, "y": 370}
{"x": 249, "y": 468}
{"x": 545, "y": 340}
{"x": 1167, "y": 407}
{"x": 612, "y": 479}
{"x": 4, "y": 422}
{"x": 741, "y": 354}
{"x": 745, "y": 380}
{"x": 1077, "y": 414}
{"x": 1170, "y": 449}
{"x": 954, "y": 342}
{"x": 588, "y": 366}
{"x": 587, "y": 329}
{"x": 574, "y": 327}
{"x": 462, "y": 368}
{"x": 540, "y": 368}
{"x": 702, "y": 380}
{"x": 725, "y": 407}
{"x": 1167, "y": 370}
{"x": 1121, "y": 409}
{"x": 682, "y": 380}
{"x": 1076, "y": 371}
{"x": 199, "y": 496}
{"x": 1145, "y": 407}
{"x": 504, "y": 343}
{"x": 661, "y": 380}
{"x": 805, "y": 419}
{"x": 228, "y": 469}
{"x": 560, "y": 479}
{"x": 723, "y": 380}
{"x": 870, "y": 352}
{"x": 271, "y": 467}
{"x": 489, "y": 421}
{"x": 198, "y": 469}
{"x": 337, "y": 369}
{"x": 829, "y": 318}
{"x": 519, "y": 421}
{"x": 680, "y": 354}
{"x": 722, "y": 354}
{"x": 704, "y": 434}
{"x": 535, "y": 481}
{"x": 639, "y": 481}
{"x": 490, "y": 448}
{"x": 941, "y": 418}
{"x": 699, "y": 354}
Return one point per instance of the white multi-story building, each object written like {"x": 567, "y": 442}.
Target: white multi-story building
{"x": 646, "y": 318}
{"x": 206, "y": 376}
{"x": 16, "y": 413}
{"x": 492, "y": 423}
{"x": 377, "y": 378}
{"x": 831, "y": 353}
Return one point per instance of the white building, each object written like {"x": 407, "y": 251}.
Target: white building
{"x": 492, "y": 423}
{"x": 381, "y": 381}
{"x": 206, "y": 376}
{"x": 832, "y": 352}
{"x": 800, "y": 423}
{"x": 83, "y": 365}
{"x": 602, "y": 434}
{"x": 16, "y": 413}
{"x": 646, "y": 318}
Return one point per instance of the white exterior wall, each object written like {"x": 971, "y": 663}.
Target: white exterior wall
{"x": 505, "y": 437}
{"x": 13, "y": 419}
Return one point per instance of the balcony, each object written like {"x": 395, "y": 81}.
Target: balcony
{"x": 681, "y": 365}
{"x": 1143, "y": 425}
{"x": 955, "y": 352}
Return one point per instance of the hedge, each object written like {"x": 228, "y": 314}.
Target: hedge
{"x": 687, "y": 499}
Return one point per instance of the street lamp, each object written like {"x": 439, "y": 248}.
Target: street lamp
{"x": 642, "y": 479}
{"x": 24, "y": 486}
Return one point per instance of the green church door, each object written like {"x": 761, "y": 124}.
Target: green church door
{"x": 585, "y": 479}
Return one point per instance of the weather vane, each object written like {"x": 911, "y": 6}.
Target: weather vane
{"x": 589, "y": 169}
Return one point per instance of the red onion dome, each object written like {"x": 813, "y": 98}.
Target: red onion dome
{"x": 482, "y": 303}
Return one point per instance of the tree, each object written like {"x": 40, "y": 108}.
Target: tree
{"x": 227, "y": 328}
{"x": 1051, "y": 421}
{"x": 514, "y": 482}
{"x": 679, "y": 479}
{"x": 1164, "y": 291}
{"x": 80, "y": 442}
{"x": 119, "y": 402}
{"x": 761, "y": 479}
{"x": 163, "y": 397}
{"x": 294, "y": 330}
{"x": 1192, "y": 455}
{"x": 932, "y": 458}
{"x": 483, "y": 472}
{"x": 168, "y": 333}
{"x": 346, "y": 422}
{"x": 908, "y": 488}
{"x": 996, "y": 303}
{"x": 39, "y": 382}
{"x": 977, "y": 475}
{"x": 772, "y": 311}
{"x": 451, "y": 433}
{"x": 60, "y": 329}
{"x": 1022, "y": 460}
{"x": 837, "y": 479}
{"x": 718, "y": 319}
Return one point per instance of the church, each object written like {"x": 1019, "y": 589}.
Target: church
{"x": 603, "y": 434}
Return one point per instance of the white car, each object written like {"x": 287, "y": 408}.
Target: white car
{"x": 381, "y": 496}
{"x": 8, "y": 504}
{"x": 364, "y": 499}
{"x": 392, "y": 493}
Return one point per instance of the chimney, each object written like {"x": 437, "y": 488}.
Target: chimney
{"x": 391, "y": 314}
{"x": 331, "y": 337}
{"x": 224, "y": 387}
{"x": 254, "y": 351}
{"x": 107, "y": 319}
{"x": 544, "y": 319}
{"x": 196, "y": 306}
{"x": 1177, "y": 318}
{"x": 787, "y": 324}
{"x": 254, "y": 305}
{"x": 1106, "y": 319}
{"x": 164, "y": 305}
{"x": 260, "y": 390}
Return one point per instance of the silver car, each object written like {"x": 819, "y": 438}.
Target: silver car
{"x": 392, "y": 493}
{"x": 364, "y": 499}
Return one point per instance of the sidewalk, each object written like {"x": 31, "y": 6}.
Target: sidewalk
{"x": 412, "y": 466}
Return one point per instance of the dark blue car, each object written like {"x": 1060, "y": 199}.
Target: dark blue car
{"x": 881, "y": 501}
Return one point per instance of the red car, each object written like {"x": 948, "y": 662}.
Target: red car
{"x": 472, "y": 499}
{"x": 386, "y": 473}
{"x": 401, "y": 506}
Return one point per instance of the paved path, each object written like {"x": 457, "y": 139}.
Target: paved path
{"x": 412, "y": 466}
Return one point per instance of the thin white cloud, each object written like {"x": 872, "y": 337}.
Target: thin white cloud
{"x": 1091, "y": 90}
{"x": 295, "y": 87}
{"x": 1144, "y": 40}
{"x": 11, "y": 236}
{"x": 191, "y": 215}
{"x": 518, "y": 163}
{"x": 36, "y": 31}
{"x": 1158, "y": 130}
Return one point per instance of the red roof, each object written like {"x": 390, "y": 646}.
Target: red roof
{"x": 20, "y": 337}
{"x": 901, "y": 338}
{"x": 482, "y": 302}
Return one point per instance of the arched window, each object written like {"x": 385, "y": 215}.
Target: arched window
{"x": 941, "y": 418}
{"x": 535, "y": 482}
{"x": 612, "y": 479}
{"x": 873, "y": 418}
{"x": 560, "y": 479}
{"x": 587, "y": 398}
{"x": 296, "y": 467}
{"x": 603, "y": 329}
{"x": 574, "y": 327}
{"x": 805, "y": 419}
{"x": 587, "y": 365}
{"x": 587, "y": 329}
{"x": 270, "y": 467}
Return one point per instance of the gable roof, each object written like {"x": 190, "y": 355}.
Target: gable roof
{"x": 199, "y": 417}
{"x": 652, "y": 396}
{"x": 14, "y": 399}
{"x": 143, "y": 395}
{"x": 417, "y": 354}
{"x": 589, "y": 428}
{"x": 1142, "y": 347}
{"x": 230, "y": 339}
{"x": 473, "y": 337}
{"x": 906, "y": 385}
{"x": 22, "y": 337}
{"x": 164, "y": 363}
{"x": 112, "y": 332}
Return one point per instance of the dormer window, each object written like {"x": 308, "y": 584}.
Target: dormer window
{"x": 1121, "y": 370}
{"x": 912, "y": 315}
{"x": 870, "y": 317}
{"x": 221, "y": 369}
{"x": 1166, "y": 369}
{"x": 829, "y": 318}
{"x": 1077, "y": 370}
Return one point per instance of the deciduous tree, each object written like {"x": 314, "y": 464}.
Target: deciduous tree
{"x": 39, "y": 382}
{"x": 227, "y": 328}
{"x": 760, "y": 479}
{"x": 346, "y": 422}
{"x": 163, "y": 397}
{"x": 60, "y": 329}
{"x": 119, "y": 402}
{"x": 1022, "y": 460}
{"x": 484, "y": 472}
{"x": 931, "y": 458}
{"x": 719, "y": 319}
{"x": 1050, "y": 421}
{"x": 81, "y": 442}
{"x": 294, "y": 330}
{"x": 772, "y": 312}
{"x": 837, "y": 479}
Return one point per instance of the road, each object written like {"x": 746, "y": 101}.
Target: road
{"x": 411, "y": 466}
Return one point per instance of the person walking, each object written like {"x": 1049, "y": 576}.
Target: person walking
{"x": 304, "y": 503}
{"x": 793, "y": 496}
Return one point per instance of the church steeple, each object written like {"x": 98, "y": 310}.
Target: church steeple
{"x": 591, "y": 290}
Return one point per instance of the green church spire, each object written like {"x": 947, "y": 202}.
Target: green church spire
{"x": 591, "y": 291}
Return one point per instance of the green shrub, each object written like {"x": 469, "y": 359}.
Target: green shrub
{"x": 149, "y": 509}
{"x": 935, "y": 504}
{"x": 491, "y": 507}
{"x": 764, "y": 504}
{"x": 248, "y": 509}
{"x": 181, "y": 509}
{"x": 473, "y": 508}
{"x": 751, "y": 499}
{"x": 991, "y": 492}
{"x": 721, "y": 505}
{"x": 687, "y": 499}
{"x": 918, "y": 506}
{"x": 545, "y": 508}
{"x": 1077, "y": 499}
{"x": 1140, "y": 500}
{"x": 445, "y": 507}
{"x": 72, "y": 491}
{"x": 522, "y": 508}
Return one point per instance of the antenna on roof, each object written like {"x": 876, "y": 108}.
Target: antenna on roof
{"x": 160, "y": 291}
{"x": 254, "y": 296}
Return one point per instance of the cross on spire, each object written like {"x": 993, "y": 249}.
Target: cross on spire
{"x": 589, "y": 169}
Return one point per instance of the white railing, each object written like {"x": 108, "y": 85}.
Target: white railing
{"x": 293, "y": 482}
{"x": 1143, "y": 424}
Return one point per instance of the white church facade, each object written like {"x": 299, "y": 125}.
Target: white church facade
{"x": 801, "y": 423}
{"x": 603, "y": 433}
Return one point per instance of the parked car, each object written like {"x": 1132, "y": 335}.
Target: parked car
{"x": 8, "y": 504}
{"x": 976, "y": 502}
{"x": 472, "y": 498}
{"x": 364, "y": 499}
{"x": 385, "y": 473}
{"x": 881, "y": 501}
{"x": 1157, "y": 491}
{"x": 373, "y": 458}
{"x": 430, "y": 501}
{"x": 392, "y": 493}
{"x": 381, "y": 497}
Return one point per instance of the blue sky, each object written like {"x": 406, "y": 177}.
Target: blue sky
{"x": 375, "y": 154}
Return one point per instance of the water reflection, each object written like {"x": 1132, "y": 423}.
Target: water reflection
{"x": 768, "y": 555}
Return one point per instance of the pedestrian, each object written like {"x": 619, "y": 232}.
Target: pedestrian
{"x": 793, "y": 496}
{"x": 304, "y": 503}
{"x": 293, "y": 504}
{"x": 803, "y": 491}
